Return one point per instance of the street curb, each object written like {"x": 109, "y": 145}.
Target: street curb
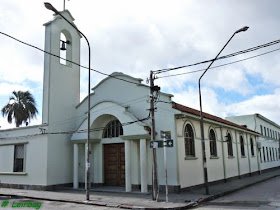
{"x": 189, "y": 205}
{"x": 213, "y": 197}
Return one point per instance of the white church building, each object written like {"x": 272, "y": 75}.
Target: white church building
{"x": 53, "y": 154}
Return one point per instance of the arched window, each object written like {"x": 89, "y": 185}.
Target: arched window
{"x": 252, "y": 147}
{"x": 213, "y": 144}
{"x": 189, "y": 141}
{"x": 242, "y": 146}
{"x": 113, "y": 129}
{"x": 264, "y": 157}
{"x": 229, "y": 144}
{"x": 63, "y": 48}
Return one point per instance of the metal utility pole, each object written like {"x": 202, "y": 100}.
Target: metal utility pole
{"x": 153, "y": 134}
{"x": 87, "y": 182}
{"x": 201, "y": 114}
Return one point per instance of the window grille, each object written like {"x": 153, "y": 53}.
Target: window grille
{"x": 189, "y": 141}
{"x": 242, "y": 146}
{"x": 19, "y": 158}
{"x": 113, "y": 129}
{"x": 252, "y": 147}
{"x": 229, "y": 143}
{"x": 213, "y": 143}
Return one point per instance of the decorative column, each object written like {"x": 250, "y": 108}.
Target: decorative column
{"x": 237, "y": 155}
{"x": 143, "y": 165}
{"x": 128, "y": 186}
{"x": 76, "y": 167}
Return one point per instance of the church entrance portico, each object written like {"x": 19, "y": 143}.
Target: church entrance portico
{"x": 118, "y": 150}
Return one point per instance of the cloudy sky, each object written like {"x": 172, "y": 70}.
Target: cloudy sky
{"x": 135, "y": 37}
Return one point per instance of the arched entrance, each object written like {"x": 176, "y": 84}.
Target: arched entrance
{"x": 113, "y": 150}
{"x": 114, "y": 155}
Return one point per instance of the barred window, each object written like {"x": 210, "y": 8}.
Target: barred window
{"x": 264, "y": 157}
{"x": 252, "y": 147}
{"x": 267, "y": 154}
{"x": 113, "y": 129}
{"x": 189, "y": 141}
{"x": 242, "y": 146}
{"x": 213, "y": 143}
{"x": 18, "y": 158}
{"x": 229, "y": 144}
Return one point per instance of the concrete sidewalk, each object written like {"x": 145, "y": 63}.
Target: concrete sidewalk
{"x": 136, "y": 200}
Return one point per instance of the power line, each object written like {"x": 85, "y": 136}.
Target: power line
{"x": 195, "y": 71}
{"x": 222, "y": 57}
{"x": 78, "y": 131}
{"x": 37, "y": 48}
{"x": 129, "y": 102}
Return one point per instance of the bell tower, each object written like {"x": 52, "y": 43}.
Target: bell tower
{"x": 61, "y": 86}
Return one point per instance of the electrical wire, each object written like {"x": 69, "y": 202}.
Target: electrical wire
{"x": 219, "y": 58}
{"x": 195, "y": 71}
{"x": 37, "y": 48}
{"x": 77, "y": 131}
{"x": 129, "y": 102}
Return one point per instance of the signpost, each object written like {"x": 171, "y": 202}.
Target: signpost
{"x": 166, "y": 142}
{"x": 162, "y": 143}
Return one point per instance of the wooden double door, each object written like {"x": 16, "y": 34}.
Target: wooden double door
{"x": 114, "y": 164}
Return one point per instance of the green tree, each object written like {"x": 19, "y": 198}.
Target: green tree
{"x": 21, "y": 107}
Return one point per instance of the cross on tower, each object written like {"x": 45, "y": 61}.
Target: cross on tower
{"x": 64, "y": 4}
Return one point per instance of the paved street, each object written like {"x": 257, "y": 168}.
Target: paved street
{"x": 40, "y": 204}
{"x": 265, "y": 195}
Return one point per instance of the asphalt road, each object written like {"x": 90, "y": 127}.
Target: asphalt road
{"x": 265, "y": 195}
{"x": 8, "y": 203}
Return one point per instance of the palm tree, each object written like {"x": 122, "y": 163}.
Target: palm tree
{"x": 21, "y": 107}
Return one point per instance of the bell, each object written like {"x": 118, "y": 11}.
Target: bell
{"x": 63, "y": 46}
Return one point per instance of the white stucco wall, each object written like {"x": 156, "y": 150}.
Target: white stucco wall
{"x": 6, "y": 158}
{"x": 35, "y": 171}
{"x": 114, "y": 98}
{"x": 266, "y": 140}
{"x": 191, "y": 170}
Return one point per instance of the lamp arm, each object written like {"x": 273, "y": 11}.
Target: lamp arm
{"x": 216, "y": 57}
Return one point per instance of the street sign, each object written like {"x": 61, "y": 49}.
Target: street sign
{"x": 168, "y": 143}
{"x": 165, "y": 134}
{"x": 156, "y": 144}
{"x": 159, "y": 144}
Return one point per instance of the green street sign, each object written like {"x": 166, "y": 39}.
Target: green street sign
{"x": 156, "y": 144}
{"x": 159, "y": 144}
{"x": 168, "y": 143}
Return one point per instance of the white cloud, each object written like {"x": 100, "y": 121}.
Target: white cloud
{"x": 8, "y": 88}
{"x": 266, "y": 105}
{"x": 138, "y": 36}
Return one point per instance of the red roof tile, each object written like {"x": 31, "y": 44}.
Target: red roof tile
{"x": 186, "y": 109}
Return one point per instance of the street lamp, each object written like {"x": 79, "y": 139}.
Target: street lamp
{"x": 50, "y": 7}
{"x": 201, "y": 116}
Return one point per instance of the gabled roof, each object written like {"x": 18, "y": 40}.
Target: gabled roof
{"x": 119, "y": 75}
{"x": 189, "y": 110}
